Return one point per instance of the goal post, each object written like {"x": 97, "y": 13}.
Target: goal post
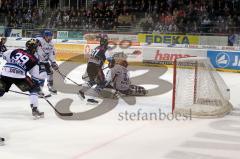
{"x": 198, "y": 89}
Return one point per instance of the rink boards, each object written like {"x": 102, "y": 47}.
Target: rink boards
{"x": 224, "y": 58}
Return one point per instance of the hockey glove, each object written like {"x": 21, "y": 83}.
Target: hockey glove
{"x": 111, "y": 62}
{"x": 54, "y": 66}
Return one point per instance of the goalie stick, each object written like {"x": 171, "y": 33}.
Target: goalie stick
{"x": 61, "y": 114}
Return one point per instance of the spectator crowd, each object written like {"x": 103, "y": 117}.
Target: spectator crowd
{"x": 21, "y": 14}
{"x": 191, "y": 16}
{"x": 180, "y": 16}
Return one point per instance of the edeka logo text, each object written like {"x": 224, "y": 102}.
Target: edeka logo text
{"x": 168, "y": 56}
{"x": 167, "y": 39}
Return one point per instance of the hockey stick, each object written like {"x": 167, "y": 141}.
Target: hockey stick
{"x": 46, "y": 96}
{"x": 64, "y": 76}
{"x": 61, "y": 114}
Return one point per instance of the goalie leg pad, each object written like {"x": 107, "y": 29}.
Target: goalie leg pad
{"x": 108, "y": 93}
{"x": 137, "y": 91}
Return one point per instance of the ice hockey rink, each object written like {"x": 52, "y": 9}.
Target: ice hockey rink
{"x": 108, "y": 136}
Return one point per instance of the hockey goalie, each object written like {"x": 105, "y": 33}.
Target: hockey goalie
{"x": 118, "y": 78}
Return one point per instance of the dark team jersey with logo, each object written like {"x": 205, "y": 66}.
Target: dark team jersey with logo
{"x": 18, "y": 63}
{"x": 98, "y": 55}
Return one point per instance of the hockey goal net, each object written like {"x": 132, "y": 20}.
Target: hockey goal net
{"x": 198, "y": 89}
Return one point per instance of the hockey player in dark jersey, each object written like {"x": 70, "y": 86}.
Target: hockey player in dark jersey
{"x": 94, "y": 68}
{"x": 19, "y": 62}
{"x": 2, "y": 46}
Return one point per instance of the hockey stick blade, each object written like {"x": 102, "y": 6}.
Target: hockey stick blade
{"x": 61, "y": 114}
{"x": 45, "y": 98}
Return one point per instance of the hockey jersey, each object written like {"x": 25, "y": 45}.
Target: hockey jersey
{"x": 18, "y": 63}
{"x": 98, "y": 55}
{"x": 119, "y": 77}
{"x": 45, "y": 51}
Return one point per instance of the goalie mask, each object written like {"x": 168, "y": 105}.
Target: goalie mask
{"x": 123, "y": 63}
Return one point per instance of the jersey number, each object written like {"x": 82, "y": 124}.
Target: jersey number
{"x": 20, "y": 58}
{"x": 94, "y": 52}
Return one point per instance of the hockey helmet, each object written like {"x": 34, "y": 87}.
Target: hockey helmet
{"x": 47, "y": 33}
{"x": 31, "y": 45}
{"x": 103, "y": 40}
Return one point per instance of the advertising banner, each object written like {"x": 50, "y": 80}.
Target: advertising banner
{"x": 133, "y": 53}
{"x": 62, "y": 35}
{"x": 112, "y": 37}
{"x": 225, "y": 59}
{"x": 70, "y": 35}
{"x": 168, "y": 39}
{"x": 75, "y": 35}
{"x": 166, "y": 56}
{"x": 16, "y": 33}
{"x": 213, "y": 40}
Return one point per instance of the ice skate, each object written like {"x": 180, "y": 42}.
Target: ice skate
{"x": 36, "y": 113}
{"x": 51, "y": 89}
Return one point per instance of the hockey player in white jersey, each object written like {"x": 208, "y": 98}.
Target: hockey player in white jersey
{"x": 46, "y": 56}
{"x": 19, "y": 62}
{"x": 118, "y": 78}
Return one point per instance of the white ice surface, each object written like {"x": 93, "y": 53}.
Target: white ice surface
{"x": 106, "y": 137}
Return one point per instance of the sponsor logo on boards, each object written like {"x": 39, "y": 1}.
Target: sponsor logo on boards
{"x": 222, "y": 60}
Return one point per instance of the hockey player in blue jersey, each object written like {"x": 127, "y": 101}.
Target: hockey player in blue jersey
{"x": 19, "y": 62}
{"x": 46, "y": 56}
